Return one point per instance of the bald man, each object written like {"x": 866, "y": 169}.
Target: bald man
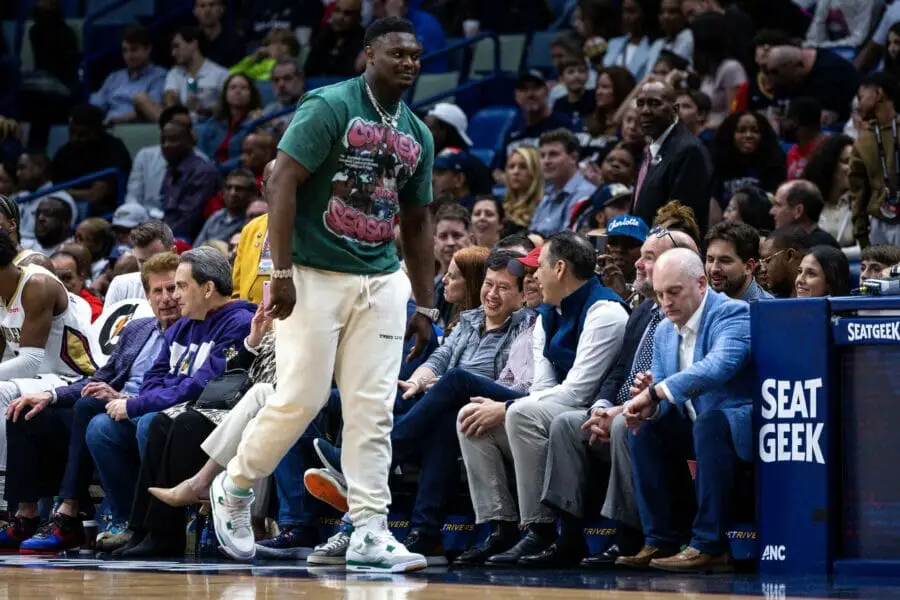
{"x": 697, "y": 406}
{"x": 794, "y": 72}
{"x": 258, "y": 149}
{"x": 800, "y": 203}
{"x": 675, "y": 165}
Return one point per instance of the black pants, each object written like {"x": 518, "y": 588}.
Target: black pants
{"x": 47, "y": 455}
{"x": 173, "y": 454}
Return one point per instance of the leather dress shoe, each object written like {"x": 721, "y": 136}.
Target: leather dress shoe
{"x": 529, "y": 545}
{"x": 604, "y": 560}
{"x": 691, "y": 560}
{"x": 642, "y": 559}
{"x": 496, "y": 543}
{"x": 558, "y": 555}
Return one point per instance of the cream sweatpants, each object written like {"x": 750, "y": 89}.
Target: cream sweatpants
{"x": 346, "y": 327}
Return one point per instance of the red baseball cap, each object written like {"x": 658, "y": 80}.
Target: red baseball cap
{"x": 516, "y": 266}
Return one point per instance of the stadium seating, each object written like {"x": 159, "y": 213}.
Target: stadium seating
{"x": 27, "y": 54}
{"x": 137, "y": 136}
{"x": 489, "y": 126}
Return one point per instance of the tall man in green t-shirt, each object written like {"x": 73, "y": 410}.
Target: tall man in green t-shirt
{"x": 353, "y": 162}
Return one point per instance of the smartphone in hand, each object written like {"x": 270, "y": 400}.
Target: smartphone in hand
{"x": 266, "y": 293}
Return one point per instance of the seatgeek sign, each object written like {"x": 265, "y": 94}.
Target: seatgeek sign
{"x": 791, "y": 431}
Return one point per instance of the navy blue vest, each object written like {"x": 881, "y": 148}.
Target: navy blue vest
{"x": 561, "y": 331}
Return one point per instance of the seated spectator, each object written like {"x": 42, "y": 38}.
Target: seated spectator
{"x": 117, "y": 94}
{"x": 799, "y": 202}
{"x": 892, "y": 52}
{"x": 536, "y": 118}
{"x": 750, "y": 205}
{"x": 257, "y": 150}
{"x": 579, "y": 102}
{"x": 824, "y": 271}
{"x": 224, "y": 46}
{"x": 52, "y": 226}
{"x": 565, "y": 47}
{"x": 461, "y": 287}
{"x": 693, "y": 108}
{"x": 220, "y": 137}
{"x": 676, "y": 37}
{"x": 807, "y": 72}
{"x": 839, "y": 23}
{"x": 867, "y": 59}
{"x": 450, "y": 177}
{"x": 590, "y": 217}
{"x": 262, "y": 18}
{"x": 576, "y": 341}
{"x": 619, "y": 165}
{"x": 462, "y": 371}
{"x": 189, "y": 182}
{"x": 801, "y": 126}
{"x": 194, "y": 82}
{"x": 625, "y": 235}
{"x": 780, "y": 255}
{"x": 452, "y": 232}
{"x": 146, "y": 178}
{"x": 48, "y": 455}
{"x": 288, "y": 83}
{"x": 72, "y": 265}
{"x": 829, "y": 170}
{"x": 191, "y": 353}
{"x": 336, "y": 48}
{"x": 718, "y": 66}
{"x": 147, "y": 240}
{"x": 632, "y": 50}
{"x": 448, "y": 125}
{"x": 708, "y": 399}
{"x": 487, "y": 221}
{"x": 33, "y": 175}
{"x": 277, "y": 45}
{"x": 875, "y": 210}
{"x": 240, "y": 190}
{"x": 614, "y": 85}
{"x": 876, "y": 260}
{"x": 125, "y": 219}
{"x": 97, "y": 237}
{"x": 566, "y": 185}
{"x": 524, "y": 188}
{"x": 428, "y": 31}
{"x": 90, "y": 149}
{"x": 746, "y": 152}
{"x": 732, "y": 256}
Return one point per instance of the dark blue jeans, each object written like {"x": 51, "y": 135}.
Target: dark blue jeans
{"x": 427, "y": 431}
{"x": 659, "y": 452}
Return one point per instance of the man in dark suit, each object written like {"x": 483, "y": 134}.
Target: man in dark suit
{"x": 675, "y": 164}
{"x": 47, "y": 454}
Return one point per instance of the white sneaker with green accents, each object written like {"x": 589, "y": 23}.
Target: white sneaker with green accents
{"x": 231, "y": 519}
{"x": 373, "y": 548}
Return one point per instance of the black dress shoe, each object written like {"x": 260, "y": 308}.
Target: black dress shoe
{"x": 136, "y": 538}
{"x": 606, "y": 559}
{"x": 496, "y": 543}
{"x": 529, "y": 545}
{"x": 156, "y": 545}
{"x": 559, "y": 555}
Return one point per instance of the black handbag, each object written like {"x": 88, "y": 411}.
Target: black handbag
{"x": 225, "y": 391}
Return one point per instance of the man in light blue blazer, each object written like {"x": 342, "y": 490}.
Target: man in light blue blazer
{"x": 698, "y": 406}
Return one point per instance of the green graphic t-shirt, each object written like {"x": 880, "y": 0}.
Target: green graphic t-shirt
{"x": 362, "y": 172}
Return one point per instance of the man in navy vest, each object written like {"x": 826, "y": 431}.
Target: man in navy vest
{"x": 576, "y": 341}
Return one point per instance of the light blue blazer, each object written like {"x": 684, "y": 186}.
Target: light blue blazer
{"x": 639, "y": 63}
{"x": 721, "y": 376}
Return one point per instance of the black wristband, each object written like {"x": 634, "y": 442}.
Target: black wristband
{"x": 654, "y": 397}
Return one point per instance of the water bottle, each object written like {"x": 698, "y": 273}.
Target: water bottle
{"x": 190, "y": 542}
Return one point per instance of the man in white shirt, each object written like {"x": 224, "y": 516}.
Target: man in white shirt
{"x": 696, "y": 406}
{"x": 576, "y": 341}
{"x": 147, "y": 240}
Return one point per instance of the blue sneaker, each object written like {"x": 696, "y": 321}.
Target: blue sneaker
{"x": 59, "y": 534}
{"x": 294, "y": 543}
{"x": 17, "y": 531}
{"x": 330, "y": 456}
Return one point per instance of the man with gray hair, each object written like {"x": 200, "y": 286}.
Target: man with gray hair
{"x": 147, "y": 240}
{"x": 194, "y": 351}
{"x": 697, "y": 405}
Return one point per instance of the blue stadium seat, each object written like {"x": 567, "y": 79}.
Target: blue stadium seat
{"x": 484, "y": 155}
{"x": 855, "y": 269}
{"x": 59, "y": 135}
{"x": 266, "y": 90}
{"x": 539, "y": 52}
{"x": 489, "y": 126}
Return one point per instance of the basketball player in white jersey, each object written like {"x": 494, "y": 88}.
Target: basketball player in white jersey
{"x": 47, "y": 334}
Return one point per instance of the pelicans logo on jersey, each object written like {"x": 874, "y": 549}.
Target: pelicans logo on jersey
{"x": 75, "y": 351}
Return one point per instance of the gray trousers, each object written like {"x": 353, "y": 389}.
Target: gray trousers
{"x": 524, "y": 441}
{"x": 568, "y": 467}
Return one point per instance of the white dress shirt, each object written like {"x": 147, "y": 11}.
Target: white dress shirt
{"x": 125, "y": 287}
{"x": 656, "y": 145}
{"x": 598, "y": 347}
{"x": 686, "y": 347}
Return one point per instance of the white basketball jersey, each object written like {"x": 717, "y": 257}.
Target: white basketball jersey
{"x": 67, "y": 352}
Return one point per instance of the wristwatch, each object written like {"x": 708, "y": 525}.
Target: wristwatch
{"x": 433, "y": 314}
{"x": 282, "y": 274}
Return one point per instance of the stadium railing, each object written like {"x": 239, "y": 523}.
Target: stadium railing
{"x": 83, "y": 205}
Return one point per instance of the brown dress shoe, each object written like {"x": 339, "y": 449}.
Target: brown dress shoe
{"x": 642, "y": 559}
{"x": 691, "y": 560}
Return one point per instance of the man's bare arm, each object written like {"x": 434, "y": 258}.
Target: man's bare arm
{"x": 418, "y": 245}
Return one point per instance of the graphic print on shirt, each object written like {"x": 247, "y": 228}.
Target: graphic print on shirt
{"x": 375, "y": 164}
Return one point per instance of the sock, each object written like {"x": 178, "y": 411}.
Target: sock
{"x": 232, "y": 488}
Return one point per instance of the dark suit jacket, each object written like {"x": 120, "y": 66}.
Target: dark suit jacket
{"x": 634, "y": 331}
{"x": 684, "y": 173}
{"x": 117, "y": 370}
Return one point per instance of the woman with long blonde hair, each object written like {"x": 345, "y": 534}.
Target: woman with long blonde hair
{"x": 524, "y": 188}
{"x": 463, "y": 281}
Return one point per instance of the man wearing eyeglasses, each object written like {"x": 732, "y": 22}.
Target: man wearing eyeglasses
{"x": 240, "y": 190}
{"x": 780, "y": 255}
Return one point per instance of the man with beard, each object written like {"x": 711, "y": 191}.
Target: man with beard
{"x": 779, "y": 259}
{"x": 52, "y": 226}
{"x": 732, "y": 255}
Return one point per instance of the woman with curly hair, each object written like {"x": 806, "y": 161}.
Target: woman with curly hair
{"x": 829, "y": 169}
{"x": 745, "y": 153}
